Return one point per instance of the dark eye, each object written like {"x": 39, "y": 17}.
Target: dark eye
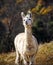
{"x": 23, "y": 20}
{"x": 29, "y": 19}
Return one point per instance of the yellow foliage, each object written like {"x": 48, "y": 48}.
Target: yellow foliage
{"x": 47, "y": 10}
{"x": 42, "y": 10}
{"x": 34, "y": 10}
{"x": 39, "y": 4}
{"x": 38, "y": 7}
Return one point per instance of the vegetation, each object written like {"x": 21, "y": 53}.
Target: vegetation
{"x": 11, "y": 22}
{"x": 43, "y": 17}
{"x": 11, "y": 25}
{"x": 44, "y": 56}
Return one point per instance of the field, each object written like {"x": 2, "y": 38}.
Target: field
{"x": 44, "y": 56}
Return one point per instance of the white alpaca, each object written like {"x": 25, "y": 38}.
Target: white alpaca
{"x": 25, "y": 43}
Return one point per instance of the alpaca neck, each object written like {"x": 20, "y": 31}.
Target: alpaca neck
{"x": 28, "y": 34}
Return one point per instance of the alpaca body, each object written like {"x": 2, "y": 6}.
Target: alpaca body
{"x": 23, "y": 47}
{"x": 26, "y": 51}
{"x": 26, "y": 44}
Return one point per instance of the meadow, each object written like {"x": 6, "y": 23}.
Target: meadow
{"x": 44, "y": 55}
{"x": 11, "y": 25}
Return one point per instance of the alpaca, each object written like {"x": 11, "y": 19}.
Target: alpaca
{"x": 26, "y": 44}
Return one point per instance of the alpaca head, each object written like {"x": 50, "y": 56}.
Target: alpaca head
{"x": 27, "y": 20}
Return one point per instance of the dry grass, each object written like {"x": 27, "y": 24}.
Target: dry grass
{"x": 44, "y": 56}
{"x": 7, "y": 59}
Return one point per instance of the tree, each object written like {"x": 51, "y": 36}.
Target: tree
{"x": 42, "y": 18}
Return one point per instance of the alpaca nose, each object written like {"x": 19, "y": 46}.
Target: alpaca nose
{"x": 26, "y": 23}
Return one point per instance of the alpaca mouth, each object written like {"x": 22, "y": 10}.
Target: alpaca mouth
{"x": 28, "y": 26}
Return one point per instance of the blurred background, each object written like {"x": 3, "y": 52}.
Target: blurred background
{"x": 11, "y": 21}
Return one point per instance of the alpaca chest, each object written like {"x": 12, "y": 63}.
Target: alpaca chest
{"x": 25, "y": 47}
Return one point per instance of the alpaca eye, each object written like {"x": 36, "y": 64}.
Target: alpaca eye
{"x": 23, "y": 20}
{"x": 29, "y": 19}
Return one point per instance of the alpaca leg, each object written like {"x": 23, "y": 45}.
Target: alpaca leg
{"x": 17, "y": 58}
{"x": 25, "y": 62}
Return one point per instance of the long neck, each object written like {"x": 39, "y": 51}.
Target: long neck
{"x": 28, "y": 34}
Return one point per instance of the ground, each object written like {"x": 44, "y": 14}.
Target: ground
{"x": 44, "y": 56}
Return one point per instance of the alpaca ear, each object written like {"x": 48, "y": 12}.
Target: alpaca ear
{"x": 29, "y": 12}
{"x": 22, "y": 14}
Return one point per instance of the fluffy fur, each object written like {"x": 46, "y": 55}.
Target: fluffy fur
{"x": 26, "y": 44}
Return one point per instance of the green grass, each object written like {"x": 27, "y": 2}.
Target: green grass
{"x": 44, "y": 56}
